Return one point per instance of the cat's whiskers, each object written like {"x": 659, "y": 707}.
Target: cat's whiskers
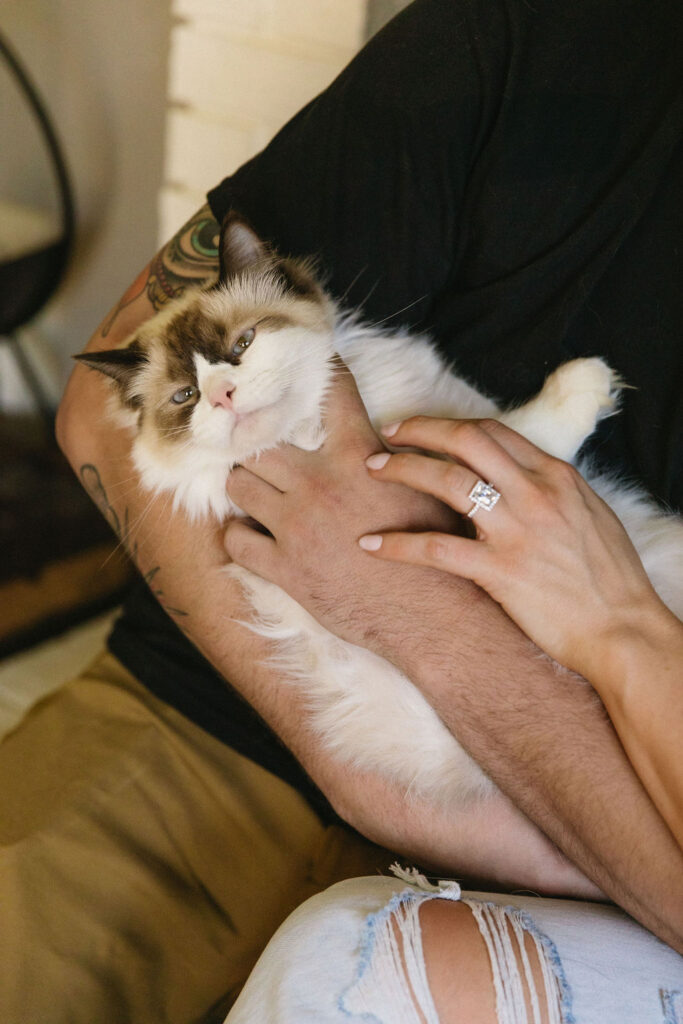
{"x": 184, "y": 446}
{"x": 130, "y": 482}
{"x": 378, "y": 323}
{"x": 120, "y": 548}
{"x": 369, "y": 295}
{"x": 169, "y": 519}
{"x": 352, "y": 284}
{"x": 127, "y": 542}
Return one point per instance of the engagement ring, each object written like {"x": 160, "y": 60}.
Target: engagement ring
{"x": 484, "y": 496}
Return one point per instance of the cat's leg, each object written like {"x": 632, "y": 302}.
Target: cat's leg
{"x": 568, "y": 407}
{"x": 386, "y": 727}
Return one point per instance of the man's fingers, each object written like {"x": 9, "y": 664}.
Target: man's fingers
{"x": 251, "y": 549}
{"x": 456, "y": 555}
{"x": 274, "y": 467}
{"x": 253, "y": 495}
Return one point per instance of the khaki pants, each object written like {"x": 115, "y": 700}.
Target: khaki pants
{"x": 143, "y": 864}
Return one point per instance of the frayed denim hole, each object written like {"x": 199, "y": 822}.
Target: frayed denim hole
{"x": 493, "y": 921}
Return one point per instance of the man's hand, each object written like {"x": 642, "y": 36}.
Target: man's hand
{"x": 316, "y": 505}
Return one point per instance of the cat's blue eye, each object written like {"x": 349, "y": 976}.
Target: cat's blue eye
{"x": 184, "y": 395}
{"x": 243, "y": 342}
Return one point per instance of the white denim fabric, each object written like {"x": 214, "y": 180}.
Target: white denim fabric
{"x": 336, "y": 960}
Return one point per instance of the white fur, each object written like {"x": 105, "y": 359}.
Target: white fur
{"x": 366, "y": 711}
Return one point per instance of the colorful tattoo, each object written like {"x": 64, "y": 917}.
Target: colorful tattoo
{"x": 92, "y": 482}
{"x": 189, "y": 258}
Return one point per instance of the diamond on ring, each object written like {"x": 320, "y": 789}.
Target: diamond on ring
{"x": 484, "y": 496}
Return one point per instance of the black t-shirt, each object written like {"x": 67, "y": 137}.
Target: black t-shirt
{"x": 507, "y": 176}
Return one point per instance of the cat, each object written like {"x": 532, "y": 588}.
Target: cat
{"x": 238, "y": 366}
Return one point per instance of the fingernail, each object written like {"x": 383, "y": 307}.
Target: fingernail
{"x": 370, "y": 542}
{"x": 377, "y": 461}
{"x": 390, "y": 428}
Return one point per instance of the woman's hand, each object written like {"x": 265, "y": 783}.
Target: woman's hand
{"x": 549, "y": 551}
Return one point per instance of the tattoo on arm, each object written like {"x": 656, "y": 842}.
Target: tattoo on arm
{"x": 189, "y": 258}
{"x": 92, "y": 482}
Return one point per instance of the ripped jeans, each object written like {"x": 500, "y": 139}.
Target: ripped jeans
{"x": 354, "y": 955}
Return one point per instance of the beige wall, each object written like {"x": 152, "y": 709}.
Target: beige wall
{"x": 101, "y": 67}
{"x": 238, "y": 70}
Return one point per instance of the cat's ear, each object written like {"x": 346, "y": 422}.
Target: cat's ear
{"x": 239, "y": 248}
{"x": 121, "y": 364}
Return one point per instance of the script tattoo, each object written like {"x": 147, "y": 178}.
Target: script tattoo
{"x": 92, "y": 482}
{"x": 189, "y": 258}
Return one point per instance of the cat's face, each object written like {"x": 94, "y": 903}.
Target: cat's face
{"x": 234, "y": 368}
{"x": 229, "y": 369}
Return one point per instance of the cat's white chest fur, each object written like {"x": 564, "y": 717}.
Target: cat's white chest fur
{"x": 196, "y": 482}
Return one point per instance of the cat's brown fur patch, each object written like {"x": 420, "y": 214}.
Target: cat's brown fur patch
{"x": 191, "y": 331}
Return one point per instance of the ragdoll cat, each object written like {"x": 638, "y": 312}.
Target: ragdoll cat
{"x": 236, "y": 367}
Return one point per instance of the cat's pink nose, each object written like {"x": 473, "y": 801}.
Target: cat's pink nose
{"x": 222, "y": 396}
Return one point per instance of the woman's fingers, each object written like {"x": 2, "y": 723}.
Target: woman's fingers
{"x": 443, "y": 551}
{"x": 480, "y": 460}
{"x": 470, "y": 441}
{"x": 450, "y": 482}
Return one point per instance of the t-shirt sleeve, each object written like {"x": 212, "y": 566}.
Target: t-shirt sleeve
{"x": 370, "y": 177}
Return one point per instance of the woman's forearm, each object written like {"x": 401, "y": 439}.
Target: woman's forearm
{"x": 559, "y": 562}
{"x": 639, "y": 676}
